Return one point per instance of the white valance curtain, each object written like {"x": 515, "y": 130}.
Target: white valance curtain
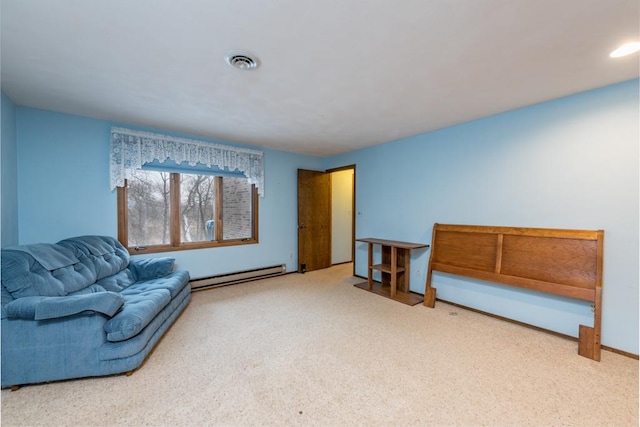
{"x": 130, "y": 149}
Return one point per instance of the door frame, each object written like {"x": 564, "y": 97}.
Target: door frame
{"x": 353, "y": 211}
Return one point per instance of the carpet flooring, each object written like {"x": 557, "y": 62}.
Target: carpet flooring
{"x": 312, "y": 349}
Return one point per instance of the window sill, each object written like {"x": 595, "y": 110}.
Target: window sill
{"x": 189, "y": 246}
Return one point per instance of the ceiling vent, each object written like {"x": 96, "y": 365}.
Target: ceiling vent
{"x": 242, "y": 60}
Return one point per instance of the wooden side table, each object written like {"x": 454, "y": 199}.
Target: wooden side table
{"x": 394, "y": 269}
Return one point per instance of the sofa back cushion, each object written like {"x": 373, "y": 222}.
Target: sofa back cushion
{"x": 151, "y": 268}
{"x": 59, "y": 269}
{"x": 118, "y": 282}
{"x": 43, "y": 270}
{"x": 104, "y": 254}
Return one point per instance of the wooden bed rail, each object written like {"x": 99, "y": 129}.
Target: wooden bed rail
{"x": 556, "y": 261}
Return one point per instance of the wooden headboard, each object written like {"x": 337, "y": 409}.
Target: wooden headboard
{"x": 556, "y": 261}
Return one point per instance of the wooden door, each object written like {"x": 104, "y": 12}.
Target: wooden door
{"x": 314, "y": 220}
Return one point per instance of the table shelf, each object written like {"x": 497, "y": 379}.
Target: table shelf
{"x": 386, "y": 268}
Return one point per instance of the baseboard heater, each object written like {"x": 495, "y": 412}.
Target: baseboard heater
{"x": 237, "y": 277}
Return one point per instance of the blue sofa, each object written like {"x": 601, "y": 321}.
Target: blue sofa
{"x": 82, "y": 307}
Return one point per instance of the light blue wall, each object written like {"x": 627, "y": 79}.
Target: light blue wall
{"x": 567, "y": 163}
{"x": 64, "y": 191}
{"x": 9, "y": 159}
{"x": 64, "y": 177}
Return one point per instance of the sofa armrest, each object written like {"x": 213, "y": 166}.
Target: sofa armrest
{"x": 151, "y": 268}
{"x": 41, "y": 308}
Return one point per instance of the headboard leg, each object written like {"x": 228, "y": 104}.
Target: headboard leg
{"x": 589, "y": 343}
{"x": 430, "y": 297}
{"x": 429, "y": 292}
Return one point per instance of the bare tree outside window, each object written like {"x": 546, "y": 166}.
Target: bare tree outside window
{"x": 148, "y": 208}
{"x": 197, "y": 208}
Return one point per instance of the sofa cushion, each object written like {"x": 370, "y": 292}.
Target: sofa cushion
{"x": 151, "y": 268}
{"x": 173, "y": 282}
{"x": 140, "y": 307}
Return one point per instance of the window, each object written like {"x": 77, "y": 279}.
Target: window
{"x": 162, "y": 211}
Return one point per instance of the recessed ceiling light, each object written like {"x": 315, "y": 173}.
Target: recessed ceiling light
{"x": 625, "y": 49}
{"x": 242, "y": 60}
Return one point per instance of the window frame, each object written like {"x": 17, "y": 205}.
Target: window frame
{"x": 174, "y": 220}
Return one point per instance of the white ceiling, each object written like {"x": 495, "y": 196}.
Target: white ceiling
{"x": 336, "y": 75}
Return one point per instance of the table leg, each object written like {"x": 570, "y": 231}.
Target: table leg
{"x": 407, "y": 268}
{"x": 394, "y": 271}
{"x": 369, "y": 264}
